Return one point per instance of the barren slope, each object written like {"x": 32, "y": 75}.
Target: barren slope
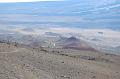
{"x": 45, "y": 63}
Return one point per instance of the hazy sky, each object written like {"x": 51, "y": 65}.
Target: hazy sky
{"x": 65, "y": 13}
{"x": 25, "y": 0}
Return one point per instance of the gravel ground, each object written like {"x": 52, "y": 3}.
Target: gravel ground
{"x": 17, "y": 62}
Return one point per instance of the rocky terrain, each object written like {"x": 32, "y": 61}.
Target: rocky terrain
{"x": 19, "y": 61}
{"x": 104, "y": 40}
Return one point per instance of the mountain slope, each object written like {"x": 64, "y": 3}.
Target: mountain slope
{"x": 23, "y": 62}
{"x": 75, "y": 43}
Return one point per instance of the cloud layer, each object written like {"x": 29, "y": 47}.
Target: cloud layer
{"x": 68, "y": 13}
